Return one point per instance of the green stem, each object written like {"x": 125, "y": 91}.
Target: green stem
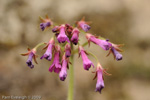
{"x": 94, "y": 56}
{"x": 84, "y": 44}
{"x": 38, "y": 45}
{"x": 71, "y": 78}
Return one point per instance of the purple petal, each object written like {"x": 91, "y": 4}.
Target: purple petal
{"x": 117, "y": 54}
{"x": 85, "y": 27}
{"x": 29, "y": 61}
{"x": 51, "y": 68}
{"x": 99, "y": 87}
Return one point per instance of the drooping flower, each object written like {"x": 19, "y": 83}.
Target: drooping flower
{"x": 102, "y": 43}
{"x": 31, "y": 55}
{"x": 63, "y": 72}
{"x": 48, "y": 54}
{"x": 83, "y": 25}
{"x": 118, "y": 56}
{"x": 67, "y": 50}
{"x": 100, "y": 80}
{"x": 115, "y": 51}
{"x": 99, "y": 76}
{"x": 56, "y": 63}
{"x": 86, "y": 62}
{"x": 75, "y": 36}
{"x": 45, "y": 23}
{"x": 62, "y": 37}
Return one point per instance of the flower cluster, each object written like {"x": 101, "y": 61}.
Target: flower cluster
{"x": 60, "y": 49}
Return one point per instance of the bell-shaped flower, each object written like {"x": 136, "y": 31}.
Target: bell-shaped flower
{"x": 45, "y": 23}
{"x": 75, "y": 36}
{"x": 86, "y": 62}
{"x": 62, "y": 37}
{"x": 67, "y": 50}
{"x": 31, "y": 55}
{"x": 63, "y": 72}
{"x": 48, "y": 54}
{"x": 83, "y": 25}
{"x": 102, "y": 43}
{"x": 100, "y": 80}
{"x": 117, "y": 55}
{"x": 56, "y": 63}
{"x": 116, "y": 51}
{"x": 99, "y": 76}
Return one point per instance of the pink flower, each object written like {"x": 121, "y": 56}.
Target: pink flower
{"x": 63, "y": 72}
{"x": 83, "y": 25}
{"x": 67, "y": 50}
{"x": 45, "y": 23}
{"x": 100, "y": 80}
{"x": 115, "y": 51}
{"x": 86, "y": 62}
{"x": 56, "y": 64}
{"x": 48, "y": 54}
{"x": 75, "y": 36}
{"x": 62, "y": 37}
{"x": 102, "y": 43}
{"x": 31, "y": 55}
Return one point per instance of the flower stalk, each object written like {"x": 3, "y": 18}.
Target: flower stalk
{"x": 93, "y": 56}
{"x": 38, "y": 45}
{"x": 71, "y": 77}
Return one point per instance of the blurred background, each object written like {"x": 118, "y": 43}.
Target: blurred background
{"x": 121, "y": 21}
